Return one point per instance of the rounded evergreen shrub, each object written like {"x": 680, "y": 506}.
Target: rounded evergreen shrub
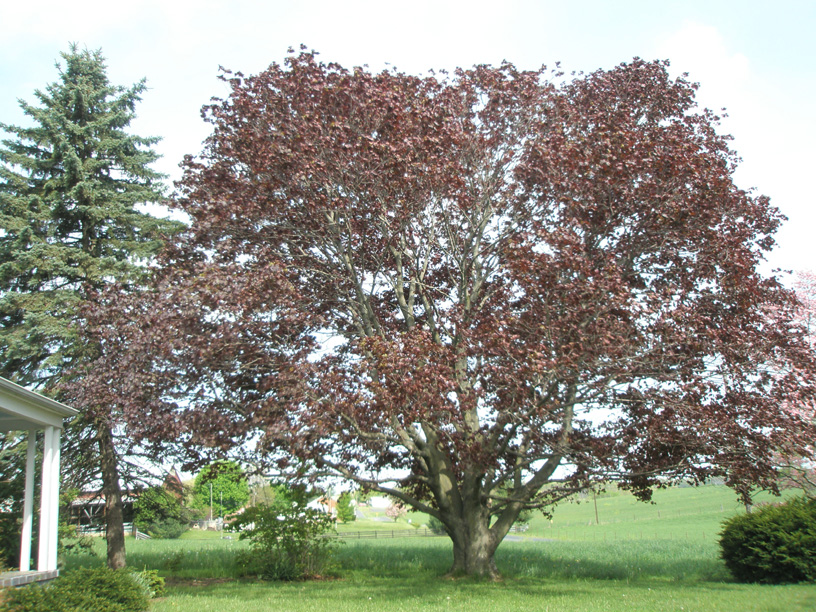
{"x": 772, "y": 544}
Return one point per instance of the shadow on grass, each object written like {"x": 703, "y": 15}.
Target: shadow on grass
{"x": 654, "y": 560}
{"x": 661, "y": 560}
{"x": 201, "y": 559}
{"x": 429, "y": 559}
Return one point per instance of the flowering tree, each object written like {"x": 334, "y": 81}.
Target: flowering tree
{"x": 395, "y": 511}
{"x": 805, "y": 287}
{"x": 495, "y": 287}
{"x": 800, "y": 471}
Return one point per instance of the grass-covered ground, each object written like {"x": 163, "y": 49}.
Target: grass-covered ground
{"x": 646, "y": 562}
{"x": 693, "y": 513}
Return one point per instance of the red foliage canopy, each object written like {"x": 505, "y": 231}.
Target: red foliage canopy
{"x": 470, "y": 281}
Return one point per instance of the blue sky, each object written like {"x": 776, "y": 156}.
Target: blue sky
{"x": 754, "y": 58}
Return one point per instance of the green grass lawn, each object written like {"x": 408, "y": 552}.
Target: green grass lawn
{"x": 555, "y": 566}
{"x": 413, "y": 594}
{"x": 556, "y": 576}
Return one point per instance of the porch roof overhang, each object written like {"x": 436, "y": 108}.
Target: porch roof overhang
{"x": 21, "y": 409}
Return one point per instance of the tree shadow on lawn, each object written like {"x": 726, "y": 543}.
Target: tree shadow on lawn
{"x": 650, "y": 560}
{"x": 410, "y": 576}
{"x": 635, "y": 560}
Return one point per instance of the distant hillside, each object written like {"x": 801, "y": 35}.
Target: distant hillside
{"x": 676, "y": 512}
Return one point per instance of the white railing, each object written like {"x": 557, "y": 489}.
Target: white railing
{"x": 100, "y": 531}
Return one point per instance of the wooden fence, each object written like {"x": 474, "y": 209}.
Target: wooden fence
{"x": 393, "y": 533}
{"x": 423, "y": 532}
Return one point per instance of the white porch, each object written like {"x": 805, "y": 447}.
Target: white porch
{"x": 24, "y": 410}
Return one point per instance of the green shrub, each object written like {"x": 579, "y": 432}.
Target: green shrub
{"x": 288, "y": 541}
{"x": 773, "y": 544}
{"x": 72, "y": 542}
{"x": 27, "y": 599}
{"x": 166, "y": 530}
{"x": 159, "y": 513}
{"x": 150, "y": 581}
{"x": 345, "y": 511}
{"x": 85, "y": 590}
{"x": 436, "y": 526}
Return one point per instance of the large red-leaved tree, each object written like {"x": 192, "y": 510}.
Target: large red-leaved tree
{"x": 494, "y": 288}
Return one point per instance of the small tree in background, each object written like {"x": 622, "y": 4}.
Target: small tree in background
{"x": 362, "y": 496}
{"x": 436, "y": 526}
{"x": 230, "y": 489}
{"x": 523, "y": 520}
{"x": 345, "y": 511}
{"x": 395, "y": 511}
{"x": 159, "y": 512}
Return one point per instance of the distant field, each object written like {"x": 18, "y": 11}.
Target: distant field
{"x": 641, "y": 557}
{"x": 376, "y": 520}
{"x": 676, "y": 513}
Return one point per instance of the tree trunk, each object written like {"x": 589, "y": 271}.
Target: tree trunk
{"x": 473, "y": 555}
{"x": 475, "y": 544}
{"x": 114, "y": 520}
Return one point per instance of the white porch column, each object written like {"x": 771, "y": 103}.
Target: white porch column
{"x": 49, "y": 496}
{"x": 28, "y": 502}
{"x": 53, "y": 541}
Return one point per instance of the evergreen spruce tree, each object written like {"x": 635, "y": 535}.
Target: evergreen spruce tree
{"x": 71, "y": 184}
